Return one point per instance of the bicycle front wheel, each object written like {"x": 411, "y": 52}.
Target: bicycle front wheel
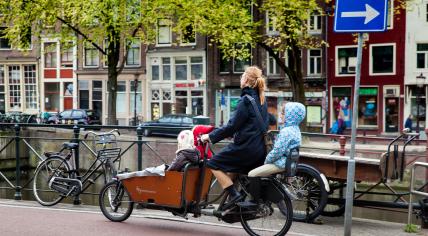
{"x": 115, "y": 202}
{"x": 54, "y": 166}
{"x": 269, "y": 218}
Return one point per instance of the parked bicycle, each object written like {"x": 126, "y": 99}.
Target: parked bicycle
{"x": 186, "y": 192}
{"x": 56, "y": 177}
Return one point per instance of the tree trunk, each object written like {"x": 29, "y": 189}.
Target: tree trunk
{"x": 113, "y": 53}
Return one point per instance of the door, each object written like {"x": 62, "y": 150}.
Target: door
{"x": 68, "y": 103}
{"x": 391, "y": 115}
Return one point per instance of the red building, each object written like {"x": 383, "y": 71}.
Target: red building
{"x": 381, "y": 102}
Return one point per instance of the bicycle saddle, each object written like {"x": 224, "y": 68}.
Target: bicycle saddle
{"x": 70, "y": 145}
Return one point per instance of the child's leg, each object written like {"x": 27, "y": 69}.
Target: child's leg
{"x": 264, "y": 170}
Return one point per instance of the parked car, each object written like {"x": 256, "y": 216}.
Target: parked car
{"x": 171, "y": 125}
{"x": 72, "y": 116}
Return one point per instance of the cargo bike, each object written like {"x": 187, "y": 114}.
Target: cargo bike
{"x": 374, "y": 177}
{"x": 186, "y": 192}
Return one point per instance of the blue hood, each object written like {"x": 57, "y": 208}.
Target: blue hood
{"x": 294, "y": 113}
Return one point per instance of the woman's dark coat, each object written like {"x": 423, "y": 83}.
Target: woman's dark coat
{"x": 247, "y": 150}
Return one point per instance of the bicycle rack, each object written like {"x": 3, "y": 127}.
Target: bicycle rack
{"x": 413, "y": 191}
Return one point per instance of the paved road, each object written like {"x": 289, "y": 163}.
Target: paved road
{"x": 28, "y": 218}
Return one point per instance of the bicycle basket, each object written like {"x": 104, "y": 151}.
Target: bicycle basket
{"x": 109, "y": 153}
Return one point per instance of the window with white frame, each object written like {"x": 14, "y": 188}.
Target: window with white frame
{"x": 422, "y": 55}
{"x": 91, "y": 55}
{"x": 272, "y": 66}
{"x": 160, "y": 103}
{"x": 4, "y": 42}
{"x": 50, "y": 55}
{"x": 346, "y": 60}
{"x": 67, "y": 55}
{"x": 166, "y": 68}
{"x": 270, "y": 24}
{"x": 314, "y": 65}
{"x": 315, "y": 22}
{"x": 134, "y": 52}
{"x": 164, "y": 32}
{"x": 83, "y": 94}
{"x": 196, "y": 68}
{"x": 121, "y": 97}
{"x": 382, "y": 59}
{"x": 14, "y": 87}
{"x": 180, "y": 68}
{"x": 155, "y": 62}
{"x": 30, "y": 86}
{"x": 2, "y": 91}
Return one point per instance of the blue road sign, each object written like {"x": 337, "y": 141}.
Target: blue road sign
{"x": 360, "y": 16}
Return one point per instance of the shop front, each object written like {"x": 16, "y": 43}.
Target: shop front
{"x": 176, "y": 84}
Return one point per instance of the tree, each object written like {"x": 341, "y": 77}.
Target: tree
{"x": 118, "y": 22}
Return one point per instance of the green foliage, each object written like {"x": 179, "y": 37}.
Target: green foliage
{"x": 411, "y": 228}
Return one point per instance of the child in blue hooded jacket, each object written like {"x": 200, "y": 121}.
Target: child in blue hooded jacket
{"x": 288, "y": 138}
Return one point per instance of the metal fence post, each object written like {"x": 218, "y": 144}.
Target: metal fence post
{"x": 140, "y": 147}
{"x": 18, "y": 195}
{"x": 342, "y": 142}
{"x": 76, "y": 131}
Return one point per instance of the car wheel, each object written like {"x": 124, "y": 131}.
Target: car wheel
{"x": 147, "y": 132}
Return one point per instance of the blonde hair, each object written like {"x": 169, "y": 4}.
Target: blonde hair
{"x": 255, "y": 80}
{"x": 185, "y": 140}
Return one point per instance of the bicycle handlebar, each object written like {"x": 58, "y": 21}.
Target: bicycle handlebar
{"x": 111, "y": 132}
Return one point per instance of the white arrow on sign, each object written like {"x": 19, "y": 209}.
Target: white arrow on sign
{"x": 369, "y": 14}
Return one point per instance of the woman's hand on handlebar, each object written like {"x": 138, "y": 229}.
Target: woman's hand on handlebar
{"x": 205, "y": 138}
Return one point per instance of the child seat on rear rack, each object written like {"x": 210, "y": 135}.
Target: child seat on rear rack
{"x": 176, "y": 189}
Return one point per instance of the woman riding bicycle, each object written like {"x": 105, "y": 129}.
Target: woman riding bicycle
{"x": 247, "y": 150}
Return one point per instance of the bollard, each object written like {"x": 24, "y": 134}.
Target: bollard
{"x": 342, "y": 142}
{"x": 76, "y": 131}
{"x": 18, "y": 195}
{"x": 140, "y": 147}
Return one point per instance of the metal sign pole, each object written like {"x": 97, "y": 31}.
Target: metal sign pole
{"x": 351, "y": 161}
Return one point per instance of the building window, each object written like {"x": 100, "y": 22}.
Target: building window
{"x": 166, "y": 68}
{"x": 272, "y": 66}
{"x": 97, "y": 97}
{"x": 155, "y": 68}
{"x": 15, "y": 87}
{"x": 4, "y": 42}
{"x": 367, "y": 106}
{"x": 346, "y": 60}
{"x": 133, "y": 58}
{"x": 196, "y": 67}
{"x": 426, "y": 11}
{"x": 164, "y": 32}
{"x": 382, "y": 59}
{"x": 422, "y": 55}
{"x": 180, "y": 68}
{"x": 52, "y": 97}
{"x": 271, "y": 25}
{"x": 197, "y": 101}
{"x": 84, "y": 94}
{"x": 30, "y": 86}
{"x": 50, "y": 55}
{"x": 121, "y": 97}
{"x": 2, "y": 91}
{"x": 315, "y": 22}
{"x": 341, "y": 105}
{"x": 67, "y": 55}
{"x": 188, "y": 35}
{"x": 160, "y": 103}
{"x": 239, "y": 65}
{"x": 224, "y": 63}
{"x": 91, "y": 56}
{"x": 314, "y": 62}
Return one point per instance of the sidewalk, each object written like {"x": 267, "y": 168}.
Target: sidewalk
{"x": 330, "y": 227}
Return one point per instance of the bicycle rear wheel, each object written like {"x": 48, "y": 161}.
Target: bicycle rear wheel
{"x": 54, "y": 166}
{"x": 268, "y": 219}
{"x": 115, "y": 202}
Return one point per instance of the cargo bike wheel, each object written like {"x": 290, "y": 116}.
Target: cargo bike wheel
{"x": 115, "y": 202}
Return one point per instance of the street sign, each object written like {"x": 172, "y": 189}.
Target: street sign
{"x": 360, "y": 16}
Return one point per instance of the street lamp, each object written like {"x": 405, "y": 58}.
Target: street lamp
{"x": 135, "y": 97}
{"x": 420, "y": 82}
{"x": 222, "y": 100}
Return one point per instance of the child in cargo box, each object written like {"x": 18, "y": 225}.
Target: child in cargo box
{"x": 186, "y": 151}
